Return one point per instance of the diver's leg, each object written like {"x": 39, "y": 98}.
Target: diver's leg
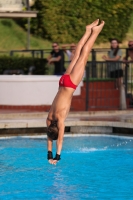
{"x": 78, "y": 70}
{"x": 80, "y": 45}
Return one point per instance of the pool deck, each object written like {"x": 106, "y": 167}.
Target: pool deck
{"x": 10, "y": 120}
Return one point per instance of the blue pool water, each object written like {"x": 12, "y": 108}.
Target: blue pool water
{"x": 92, "y": 167}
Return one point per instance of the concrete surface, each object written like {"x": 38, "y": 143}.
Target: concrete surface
{"x": 38, "y": 119}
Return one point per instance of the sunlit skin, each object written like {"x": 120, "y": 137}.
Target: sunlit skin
{"x": 62, "y": 101}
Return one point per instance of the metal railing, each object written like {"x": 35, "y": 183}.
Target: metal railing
{"x": 98, "y": 71}
{"x": 95, "y": 54}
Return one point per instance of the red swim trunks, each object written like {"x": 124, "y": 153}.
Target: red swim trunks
{"x": 65, "y": 81}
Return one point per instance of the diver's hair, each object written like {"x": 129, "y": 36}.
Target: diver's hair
{"x": 52, "y": 131}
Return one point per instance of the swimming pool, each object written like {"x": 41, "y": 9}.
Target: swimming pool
{"x": 92, "y": 167}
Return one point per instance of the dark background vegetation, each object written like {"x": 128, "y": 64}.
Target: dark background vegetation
{"x": 65, "y": 20}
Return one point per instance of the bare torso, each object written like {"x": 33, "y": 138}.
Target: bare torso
{"x": 61, "y": 104}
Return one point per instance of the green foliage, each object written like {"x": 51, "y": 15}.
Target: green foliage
{"x": 14, "y": 37}
{"x": 23, "y": 63}
{"x": 65, "y": 21}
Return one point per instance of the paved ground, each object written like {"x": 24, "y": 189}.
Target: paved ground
{"x": 25, "y": 119}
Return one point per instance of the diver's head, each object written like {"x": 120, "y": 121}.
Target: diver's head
{"x": 52, "y": 131}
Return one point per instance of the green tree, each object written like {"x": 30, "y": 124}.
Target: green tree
{"x": 65, "y": 20}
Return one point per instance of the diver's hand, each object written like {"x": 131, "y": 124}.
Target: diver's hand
{"x": 56, "y": 159}
{"x": 50, "y": 161}
{"x": 54, "y": 162}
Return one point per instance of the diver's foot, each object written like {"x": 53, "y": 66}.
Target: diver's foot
{"x": 97, "y": 29}
{"x": 93, "y": 24}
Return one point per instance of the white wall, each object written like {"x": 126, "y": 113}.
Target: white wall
{"x": 29, "y": 89}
